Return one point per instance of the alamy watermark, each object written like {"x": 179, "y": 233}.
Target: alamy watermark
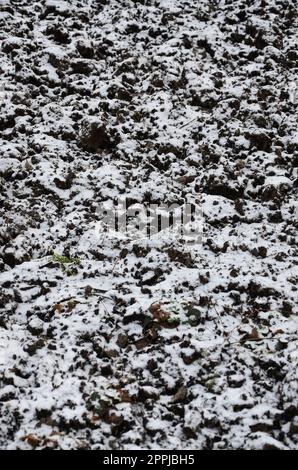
{"x": 137, "y": 221}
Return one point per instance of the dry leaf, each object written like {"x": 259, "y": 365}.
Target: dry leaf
{"x": 158, "y": 313}
{"x": 95, "y": 418}
{"x": 124, "y": 396}
{"x": 278, "y": 332}
{"x": 142, "y": 343}
{"x": 253, "y": 336}
{"x": 115, "y": 419}
{"x": 32, "y": 440}
{"x": 58, "y": 308}
{"x": 186, "y": 179}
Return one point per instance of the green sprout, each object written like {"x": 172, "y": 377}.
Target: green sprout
{"x": 98, "y": 405}
{"x": 67, "y": 264}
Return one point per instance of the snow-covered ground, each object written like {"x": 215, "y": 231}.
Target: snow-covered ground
{"x": 115, "y": 343}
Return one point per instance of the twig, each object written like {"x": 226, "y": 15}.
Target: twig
{"x": 189, "y": 122}
{"x": 253, "y": 339}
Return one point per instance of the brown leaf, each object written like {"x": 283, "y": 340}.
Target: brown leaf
{"x": 115, "y": 419}
{"x": 124, "y": 396}
{"x": 58, "y": 308}
{"x": 186, "y": 179}
{"x": 32, "y": 440}
{"x": 253, "y": 336}
{"x": 95, "y": 418}
{"x": 158, "y": 313}
{"x": 111, "y": 353}
{"x": 142, "y": 343}
{"x": 152, "y": 332}
{"x": 278, "y": 332}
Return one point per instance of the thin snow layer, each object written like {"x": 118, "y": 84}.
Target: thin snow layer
{"x": 148, "y": 344}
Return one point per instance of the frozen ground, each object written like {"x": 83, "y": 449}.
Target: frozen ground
{"x": 148, "y": 343}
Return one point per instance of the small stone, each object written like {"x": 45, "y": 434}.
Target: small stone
{"x": 189, "y": 433}
{"x": 122, "y": 340}
{"x": 180, "y": 395}
{"x": 32, "y": 348}
{"x": 96, "y": 138}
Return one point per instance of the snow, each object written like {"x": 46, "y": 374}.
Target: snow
{"x": 193, "y": 107}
